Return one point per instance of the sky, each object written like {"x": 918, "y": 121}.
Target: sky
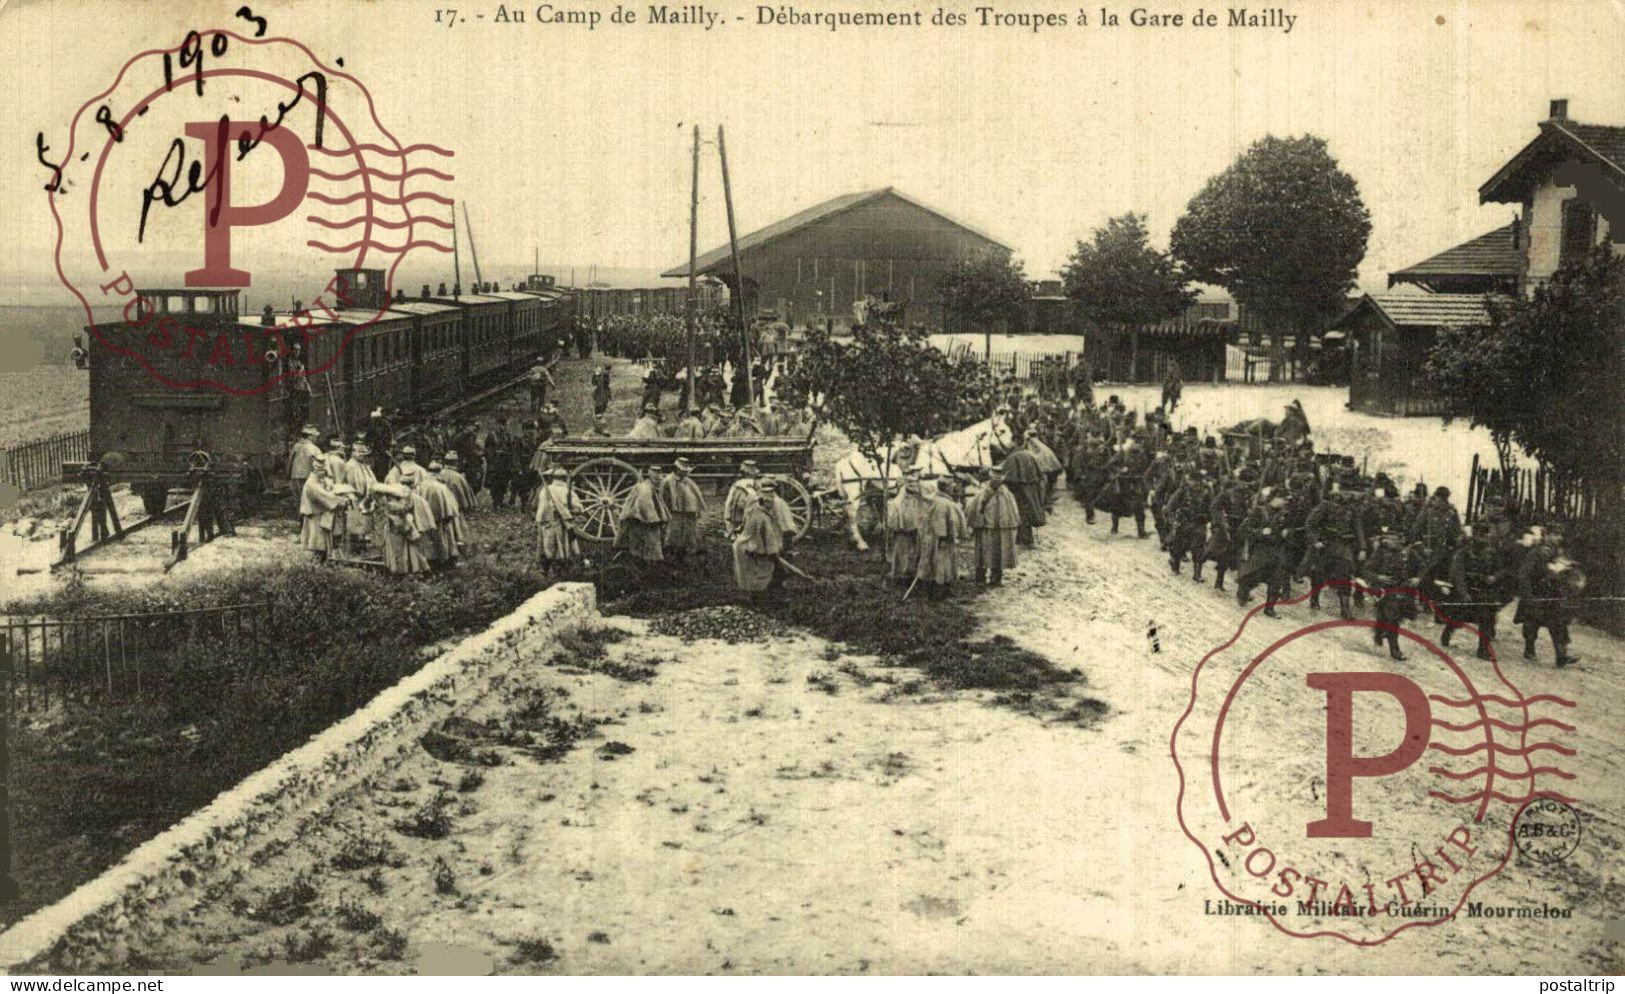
{"x": 573, "y": 144}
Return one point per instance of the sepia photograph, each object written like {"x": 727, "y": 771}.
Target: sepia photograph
{"x": 850, "y": 487}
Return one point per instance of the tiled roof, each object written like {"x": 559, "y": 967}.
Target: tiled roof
{"x": 1602, "y": 142}
{"x": 801, "y": 219}
{"x": 1607, "y": 141}
{"x": 1424, "y": 310}
{"x": 1491, "y": 254}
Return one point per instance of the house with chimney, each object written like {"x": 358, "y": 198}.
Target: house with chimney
{"x": 1568, "y": 188}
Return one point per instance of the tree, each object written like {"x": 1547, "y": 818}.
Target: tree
{"x": 984, "y": 289}
{"x": 1283, "y": 229}
{"x": 1120, "y": 278}
{"x": 1545, "y": 374}
{"x": 888, "y": 382}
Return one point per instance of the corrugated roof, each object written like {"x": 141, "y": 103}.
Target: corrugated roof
{"x": 1424, "y": 310}
{"x": 1494, "y": 253}
{"x": 1603, "y": 142}
{"x": 801, "y": 219}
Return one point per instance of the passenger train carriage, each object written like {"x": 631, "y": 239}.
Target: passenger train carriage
{"x": 413, "y": 354}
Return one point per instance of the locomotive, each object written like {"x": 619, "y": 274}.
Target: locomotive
{"x": 370, "y": 351}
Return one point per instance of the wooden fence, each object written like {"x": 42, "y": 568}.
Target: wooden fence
{"x": 78, "y": 658}
{"x": 1537, "y": 494}
{"x": 1595, "y": 533}
{"x": 39, "y": 463}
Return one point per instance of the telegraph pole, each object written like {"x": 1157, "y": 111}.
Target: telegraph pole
{"x": 8, "y": 884}
{"x": 472, "y": 250}
{"x": 693, "y": 252}
{"x": 739, "y": 279}
{"x": 456, "y": 259}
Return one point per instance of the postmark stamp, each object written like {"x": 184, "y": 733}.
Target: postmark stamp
{"x": 1341, "y": 793}
{"x": 230, "y": 161}
{"x": 1547, "y": 830}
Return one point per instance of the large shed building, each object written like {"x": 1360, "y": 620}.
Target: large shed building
{"x": 812, "y": 266}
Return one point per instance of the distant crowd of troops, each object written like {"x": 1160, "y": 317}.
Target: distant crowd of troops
{"x": 1265, "y": 507}
{"x": 1271, "y": 510}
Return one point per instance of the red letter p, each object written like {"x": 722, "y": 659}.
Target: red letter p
{"x": 1342, "y": 766}
{"x": 221, "y": 215}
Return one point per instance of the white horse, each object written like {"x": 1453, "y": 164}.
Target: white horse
{"x": 976, "y": 448}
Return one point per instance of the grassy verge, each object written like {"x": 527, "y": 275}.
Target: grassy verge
{"x": 92, "y": 781}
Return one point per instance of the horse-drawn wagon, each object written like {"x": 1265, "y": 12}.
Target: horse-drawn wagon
{"x": 604, "y": 470}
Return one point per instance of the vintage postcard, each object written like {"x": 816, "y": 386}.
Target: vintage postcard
{"x": 822, "y": 488}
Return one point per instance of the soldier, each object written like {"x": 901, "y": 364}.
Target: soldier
{"x": 653, "y": 385}
{"x": 380, "y": 439}
{"x": 555, "y": 513}
{"x": 1173, "y": 385}
{"x": 741, "y": 495}
{"x": 319, "y": 504}
{"x": 1188, "y": 511}
{"x": 1478, "y": 582}
{"x": 647, "y": 426}
{"x": 1547, "y": 579}
{"x": 1086, "y": 469}
{"x": 360, "y": 526}
{"x": 1125, "y": 485}
{"x": 406, "y": 466}
{"x": 1225, "y": 515}
{"x": 942, "y": 530}
{"x": 452, "y": 476}
{"x": 335, "y": 457}
{"x": 1438, "y": 526}
{"x": 790, "y": 422}
{"x": 905, "y": 515}
{"x": 743, "y": 425}
{"x": 1413, "y": 509}
{"x": 445, "y": 543}
{"x": 1300, "y": 502}
{"x": 302, "y": 458}
{"x": 600, "y": 391}
{"x": 540, "y": 381}
{"x": 553, "y": 425}
{"x": 1335, "y": 539}
{"x": 760, "y": 542}
{"x": 685, "y": 502}
{"x": 408, "y": 524}
{"x": 690, "y": 427}
{"x": 1048, "y": 464}
{"x": 994, "y": 518}
{"x": 528, "y": 462}
{"x": 1025, "y": 477}
{"x": 1264, "y": 552}
{"x": 499, "y": 461}
{"x": 1212, "y": 459}
{"x": 643, "y": 519}
{"x": 470, "y": 457}
{"x": 1161, "y": 479}
{"x": 1389, "y": 568}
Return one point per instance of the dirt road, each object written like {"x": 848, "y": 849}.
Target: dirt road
{"x": 771, "y": 807}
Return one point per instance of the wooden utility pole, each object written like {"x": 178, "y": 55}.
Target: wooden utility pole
{"x": 456, "y": 259}
{"x": 739, "y": 279}
{"x": 472, "y": 249}
{"x": 693, "y": 253}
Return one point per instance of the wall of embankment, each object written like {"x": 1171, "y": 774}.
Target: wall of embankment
{"x": 278, "y": 801}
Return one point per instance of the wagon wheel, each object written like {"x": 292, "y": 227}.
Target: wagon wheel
{"x": 802, "y": 507}
{"x": 599, "y": 487}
